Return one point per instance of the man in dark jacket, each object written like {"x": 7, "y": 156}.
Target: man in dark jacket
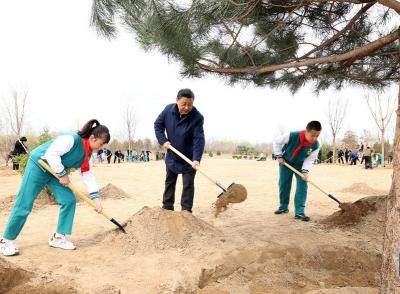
{"x": 330, "y": 157}
{"x": 108, "y": 154}
{"x": 19, "y": 149}
{"x": 340, "y": 156}
{"x": 367, "y": 158}
{"x": 183, "y": 125}
{"x": 347, "y": 154}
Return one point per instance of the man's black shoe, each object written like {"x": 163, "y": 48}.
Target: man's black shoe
{"x": 302, "y": 217}
{"x": 281, "y": 211}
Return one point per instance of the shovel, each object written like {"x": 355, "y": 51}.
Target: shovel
{"x": 235, "y": 193}
{"x": 82, "y": 196}
{"x": 342, "y": 205}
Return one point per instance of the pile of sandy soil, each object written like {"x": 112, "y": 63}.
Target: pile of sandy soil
{"x": 159, "y": 229}
{"x": 287, "y": 269}
{"x": 7, "y": 202}
{"x": 346, "y": 290}
{"x": 14, "y": 279}
{"x": 366, "y": 216}
{"x": 236, "y": 193}
{"x": 362, "y": 188}
{"x": 43, "y": 199}
{"x": 46, "y": 198}
{"x": 111, "y": 191}
{"x": 369, "y": 208}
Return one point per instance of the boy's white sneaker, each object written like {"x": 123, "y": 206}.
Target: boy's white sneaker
{"x": 60, "y": 241}
{"x": 8, "y": 248}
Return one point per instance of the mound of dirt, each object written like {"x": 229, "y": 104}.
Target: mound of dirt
{"x": 346, "y": 290}
{"x": 369, "y": 211}
{"x": 277, "y": 268}
{"x": 159, "y": 229}
{"x": 113, "y": 192}
{"x": 14, "y": 279}
{"x": 6, "y": 203}
{"x": 236, "y": 193}
{"x": 362, "y": 188}
{"x": 46, "y": 198}
{"x": 11, "y": 276}
{"x": 43, "y": 199}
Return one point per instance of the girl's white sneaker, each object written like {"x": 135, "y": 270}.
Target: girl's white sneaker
{"x": 8, "y": 248}
{"x": 60, "y": 241}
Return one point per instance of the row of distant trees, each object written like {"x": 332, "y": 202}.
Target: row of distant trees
{"x": 382, "y": 110}
{"x": 350, "y": 140}
{"x": 13, "y": 123}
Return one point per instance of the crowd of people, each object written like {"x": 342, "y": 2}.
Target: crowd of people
{"x": 119, "y": 156}
{"x": 366, "y": 156}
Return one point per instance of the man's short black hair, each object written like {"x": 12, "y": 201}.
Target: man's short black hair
{"x": 187, "y": 93}
{"x": 314, "y": 125}
{"x": 23, "y": 139}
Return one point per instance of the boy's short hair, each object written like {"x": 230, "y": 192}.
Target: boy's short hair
{"x": 187, "y": 93}
{"x": 314, "y": 125}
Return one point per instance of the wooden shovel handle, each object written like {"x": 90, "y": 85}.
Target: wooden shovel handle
{"x": 301, "y": 175}
{"x": 76, "y": 191}
{"x": 181, "y": 155}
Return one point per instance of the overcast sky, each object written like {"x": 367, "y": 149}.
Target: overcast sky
{"x": 73, "y": 75}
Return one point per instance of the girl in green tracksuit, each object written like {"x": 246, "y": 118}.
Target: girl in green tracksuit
{"x": 62, "y": 153}
{"x": 300, "y": 150}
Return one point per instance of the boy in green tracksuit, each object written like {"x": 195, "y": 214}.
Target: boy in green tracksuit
{"x": 298, "y": 149}
{"x": 64, "y": 152}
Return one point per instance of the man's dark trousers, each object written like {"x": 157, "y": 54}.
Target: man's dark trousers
{"x": 187, "y": 191}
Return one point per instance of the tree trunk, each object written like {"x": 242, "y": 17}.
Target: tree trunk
{"x": 383, "y": 147}
{"x": 129, "y": 144}
{"x": 334, "y": 149}
{"x": 390, "y": 279}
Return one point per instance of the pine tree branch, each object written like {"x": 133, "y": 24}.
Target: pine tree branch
{"x": 250, "y": 9}
{"x": 393, "y": 4}
{"x": 230, "y": 32}
{"x": 356, "y": 53}
{"x": 341, "y": 32}
{"x": 280, "y": 24}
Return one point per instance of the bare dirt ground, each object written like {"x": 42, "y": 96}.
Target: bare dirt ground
{"x": 246, "y": 249}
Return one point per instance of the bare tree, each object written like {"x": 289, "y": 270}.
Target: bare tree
{"x": 130, "y": 122}
{"x": 391, "y": 130}
{"x": 368, "y": 137}
{"x": 336, "y": 114}
{"x": 382, "y": 109}
{"x": 15, "y": 110}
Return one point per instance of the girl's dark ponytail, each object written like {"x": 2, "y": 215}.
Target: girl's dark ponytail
{"x": 93, "y": 127}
